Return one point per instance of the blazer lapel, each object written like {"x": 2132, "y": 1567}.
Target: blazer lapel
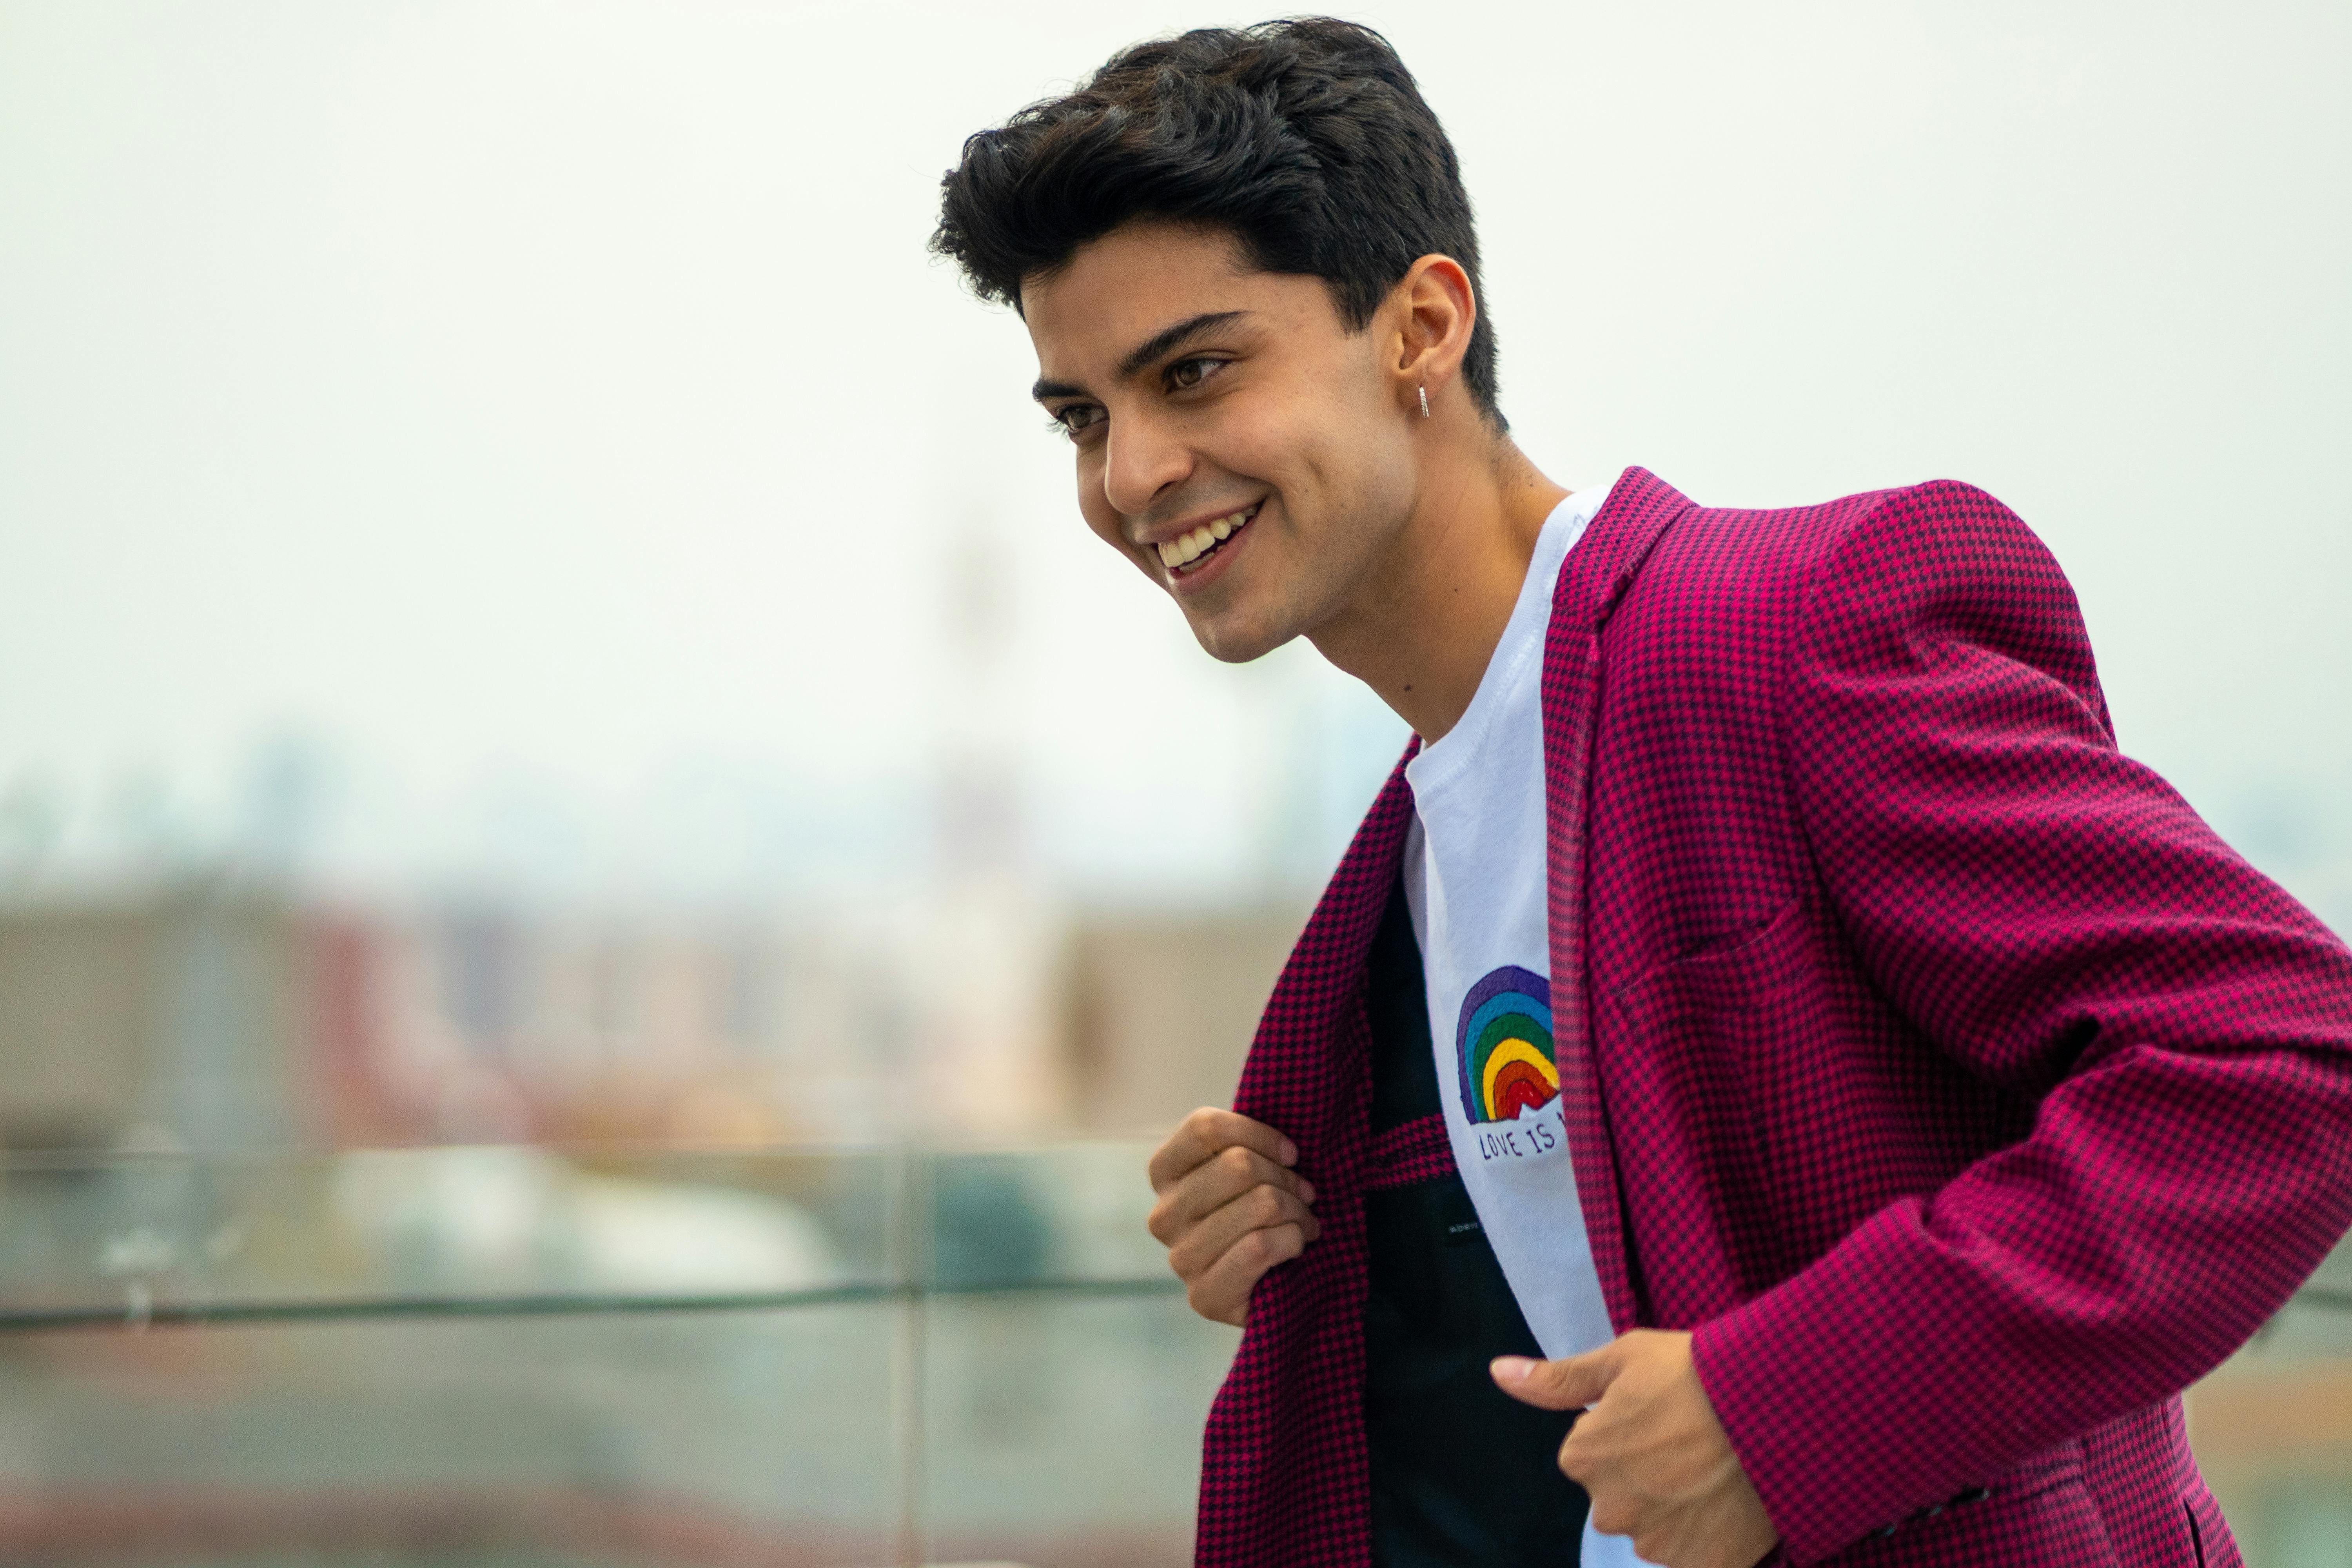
{"x": 1285, "y": 1463}
{"x": 1594, "y": 578}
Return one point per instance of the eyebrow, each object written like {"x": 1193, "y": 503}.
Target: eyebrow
{"x": 1153, "y": 348}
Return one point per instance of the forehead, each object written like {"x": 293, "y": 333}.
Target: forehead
{"x": 1122, "y": 290}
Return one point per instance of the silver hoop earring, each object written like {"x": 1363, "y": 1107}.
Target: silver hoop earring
{"x": 1424, "y": 403}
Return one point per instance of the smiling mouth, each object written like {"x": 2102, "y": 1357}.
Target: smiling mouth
{"x": 1186, "y": 554}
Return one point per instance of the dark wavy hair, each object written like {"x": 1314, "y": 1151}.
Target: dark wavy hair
{"x": 1305, "y": 139}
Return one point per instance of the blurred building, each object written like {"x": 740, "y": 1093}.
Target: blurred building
{"x": 483, "y": 1024}
{"x": 176, "y": 1015}
{"x": 1159, "y": 1009}
{"x": 243, "y": 1019}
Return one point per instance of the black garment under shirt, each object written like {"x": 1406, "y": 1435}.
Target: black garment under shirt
{"x": 1461, "y": 1473}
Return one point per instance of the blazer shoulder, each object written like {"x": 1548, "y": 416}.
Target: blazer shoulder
{"x": 1944, "y": 574}
{"x": 1710, "y": 560}
{"x": 1816, "y": 532}
{"x": 1797, "y": 550}
{"x": 1942, "y": 540}
{"x": 1758, "y": 586}
{"x": 1714, "y": 558}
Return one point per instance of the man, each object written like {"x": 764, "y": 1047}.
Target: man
{"x": 1764, "y": 1012}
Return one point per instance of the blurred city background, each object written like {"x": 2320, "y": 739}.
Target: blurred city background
{"x": 599, "y": 885}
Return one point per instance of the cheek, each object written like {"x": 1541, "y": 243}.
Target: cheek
{"x": 1311, "y": 441}
{"x": 1363, "y": 468}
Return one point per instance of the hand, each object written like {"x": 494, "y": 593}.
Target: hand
{"x": 1649, "y": 1450}
{"x": 1230, "y": 1208}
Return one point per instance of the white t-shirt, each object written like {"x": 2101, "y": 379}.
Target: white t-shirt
{"x": 1474, "y": 876}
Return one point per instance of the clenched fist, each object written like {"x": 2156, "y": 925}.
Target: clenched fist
{"x": 1230, "y": 1208}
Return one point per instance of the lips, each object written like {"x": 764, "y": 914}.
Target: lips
{"x": 1185, "y": 553}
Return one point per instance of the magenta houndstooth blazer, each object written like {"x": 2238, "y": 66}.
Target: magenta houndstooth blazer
{"x": 1928, "y": 1058}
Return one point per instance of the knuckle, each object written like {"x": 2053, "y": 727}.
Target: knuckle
{"x": 1236, "y": 1160}
{"x": 1265, "y": 1204}
{"x": 1278, "y": 1243}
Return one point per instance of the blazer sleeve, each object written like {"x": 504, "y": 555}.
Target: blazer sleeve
{"x": 2057, "y": 917}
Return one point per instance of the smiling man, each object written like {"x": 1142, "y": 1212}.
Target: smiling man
{"x": 1769, "y": 1078}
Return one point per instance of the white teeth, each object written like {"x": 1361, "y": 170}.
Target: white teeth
{"x": 1188, "y": 548}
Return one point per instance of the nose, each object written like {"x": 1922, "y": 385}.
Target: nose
{"x": 1141, "y": 461}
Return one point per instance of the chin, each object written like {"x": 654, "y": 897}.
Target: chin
{"x": 1230, "y": 643}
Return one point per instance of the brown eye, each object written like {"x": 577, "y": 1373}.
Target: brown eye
{"x": 1075, "y": 418}
{"x": 1187, "y": 373}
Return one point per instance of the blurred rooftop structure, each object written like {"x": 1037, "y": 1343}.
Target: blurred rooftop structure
{"x": 230, "y": 1017}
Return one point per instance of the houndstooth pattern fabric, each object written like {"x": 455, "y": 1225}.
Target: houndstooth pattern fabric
{"x": 1926, "y": 1058}
{"x": 1284, "y": 1460}
{"x": 1415, "y": 1150}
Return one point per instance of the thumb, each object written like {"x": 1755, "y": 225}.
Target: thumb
{"x": 1569, "y": 1384}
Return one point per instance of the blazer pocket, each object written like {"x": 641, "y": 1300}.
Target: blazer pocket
{"x": 2042, "y": 1513}
{"x": 1735, "y": 972}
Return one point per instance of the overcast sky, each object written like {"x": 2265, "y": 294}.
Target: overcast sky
{"x": 547, "y": 413}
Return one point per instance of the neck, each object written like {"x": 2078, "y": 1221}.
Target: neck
{"x": 1424, "y": 627}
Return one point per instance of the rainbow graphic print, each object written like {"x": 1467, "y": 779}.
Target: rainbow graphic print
{"x": 1505, "y": 1046}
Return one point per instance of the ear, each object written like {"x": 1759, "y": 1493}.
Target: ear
{"x": 1436, "y": 308}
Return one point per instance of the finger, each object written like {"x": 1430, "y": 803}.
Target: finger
{"x": 1207, "y": 1130}
{"x": 1260, "y": 1208}
{"x": 1614, "y": 1509}
{"x": 1212, "y": 1184}
{"x": 1569, "y": 1384}
{"x": 1223, "y": 1290}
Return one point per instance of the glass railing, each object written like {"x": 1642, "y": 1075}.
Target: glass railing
{"x": 517, "y": 1356}
{"x": 527, "y": 1358}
